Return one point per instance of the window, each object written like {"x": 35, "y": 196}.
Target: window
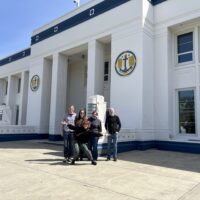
{"x": 1, "y": 115}
{"x": 19, "y": 85}
{"x": 6, "y": 87}
{"x": 106, "y": 71}
{"x": 186, "y": 112}
{"x": 17, "y": 115}
{"x": 185, "y": 47}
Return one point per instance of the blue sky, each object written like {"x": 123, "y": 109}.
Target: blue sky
{"x": 18, "y": 18}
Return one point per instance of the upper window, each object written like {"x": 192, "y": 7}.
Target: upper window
{"x": 6, "y": 88}
{"x": 106, "y": 71}
{"x": 19, "y": 85}
{"x": 185, "y": 47}
{"x": 186, "y": 112}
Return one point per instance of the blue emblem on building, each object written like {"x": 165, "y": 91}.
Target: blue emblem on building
{"x": 125, "y": 63}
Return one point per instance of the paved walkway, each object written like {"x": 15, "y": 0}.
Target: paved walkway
{"x": 33, "y": 170}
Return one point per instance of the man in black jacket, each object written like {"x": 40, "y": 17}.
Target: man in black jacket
{"x": 113, "y": 126}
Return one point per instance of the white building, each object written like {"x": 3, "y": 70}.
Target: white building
{"x": 142, "y": 56}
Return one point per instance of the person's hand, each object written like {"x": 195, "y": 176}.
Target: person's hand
{"x": 64, "y": 123}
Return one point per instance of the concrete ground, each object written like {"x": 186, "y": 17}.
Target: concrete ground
{"x": 33, "y": 170}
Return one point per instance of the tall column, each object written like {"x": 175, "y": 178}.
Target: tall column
{"x": 95, "y": 74}
{"x": 46, "y": 95}
{"x": 197, "y": 94}
{"x": 58, "y": 94}
{"x": 23, "y": 97}
{"x": 1, "y": 91}
{"x": 11, "y": 96}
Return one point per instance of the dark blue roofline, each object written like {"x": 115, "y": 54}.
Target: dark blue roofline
{"x": 86, "y": 15}
{"x": 17, "y": 56}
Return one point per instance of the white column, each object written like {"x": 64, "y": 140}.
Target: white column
{"x": 23, "y": 97}
{"x": 11, "y": 96}
{"x": 1, "y": 91}
{"x": 58, "y": 93}
{"x": 197, "y": 92}
{"x": 46, "y": 95}
{"x": 163, "y": 86}
{"x": 95, "y": 74}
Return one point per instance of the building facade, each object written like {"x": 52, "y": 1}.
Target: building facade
{"x": 142, "y": 56}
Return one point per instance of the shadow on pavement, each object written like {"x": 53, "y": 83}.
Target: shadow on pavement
{"x": 168, "y": 159}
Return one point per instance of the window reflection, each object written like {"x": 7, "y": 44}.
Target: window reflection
{"x": 186, "y": 112}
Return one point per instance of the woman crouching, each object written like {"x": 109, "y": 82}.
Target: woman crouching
{"x": 82, "y": 135}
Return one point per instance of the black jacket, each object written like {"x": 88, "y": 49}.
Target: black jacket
{"x": 81, "y": 135}
{"x": 113, "y": 124}
{"x": 95, "y": 127}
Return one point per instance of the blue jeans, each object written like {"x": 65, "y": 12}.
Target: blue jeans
{"x": 81, "y": 146}
{"x": 112, "y": 145}
{"x": 68, "y": 144}
{"x": 93, "y": 146}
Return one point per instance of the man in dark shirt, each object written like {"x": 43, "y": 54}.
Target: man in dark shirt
{"x": 113, "y": 126}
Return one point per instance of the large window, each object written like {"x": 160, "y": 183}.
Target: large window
{"x": 186, "y": 112}
{"x": 185, "y": 47}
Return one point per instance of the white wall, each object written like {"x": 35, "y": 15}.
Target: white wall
{"x": 34, "y": 98}
{"x": 126, "y": 92}
{"x": 76, "y": 91}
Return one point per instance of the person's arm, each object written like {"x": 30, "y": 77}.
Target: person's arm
{"x": 119, "y": 123}
{"x": 100, "y": 127}
{"x": 106, "y": 123}
{"x": 61, "y": 130}
{"x": 74, "y": 128}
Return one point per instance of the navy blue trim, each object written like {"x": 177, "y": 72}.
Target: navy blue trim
{"x": 17, "y": 56}
{"x": 84, "y": 16}
{"x": 160, "y": 145}
{"x": 122, "y": 146}
{"x": 144, "y": 145}
{"x": 155, "y": 2}
{"x": 55, "y": 137}
{"x": 178, "y": 146}
{"x": 23, "y": 136}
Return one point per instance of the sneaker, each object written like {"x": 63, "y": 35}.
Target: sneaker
{"x": 73, "y": 162}
{"x": 115, "y": 159}
{"x": 107, "y": 159}
{"x": 94, "y": 162}
{"x": 65, "y": 160}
